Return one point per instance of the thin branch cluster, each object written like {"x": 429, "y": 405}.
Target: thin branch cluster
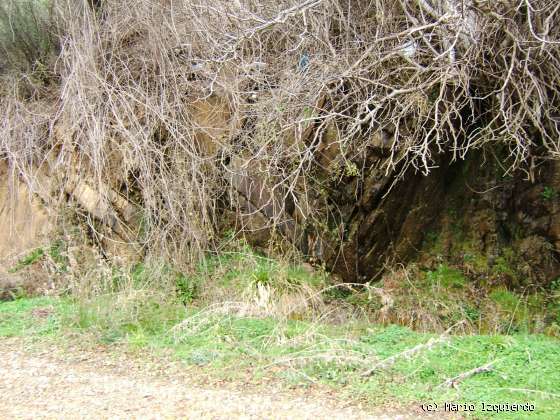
{"x": 190, "y": 107}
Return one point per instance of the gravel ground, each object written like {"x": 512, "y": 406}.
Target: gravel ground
{"x": 55, "y": 384}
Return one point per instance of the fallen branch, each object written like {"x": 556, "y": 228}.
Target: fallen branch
{"x": 453, "y": 382}
{"x": 390, "y": 361}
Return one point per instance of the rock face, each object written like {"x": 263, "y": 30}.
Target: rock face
{"x": 496, "y": 226}
{"x": 352, "y": 215}
{"x": 24, "y": 220}
{"x": 457, "y": 214}
{"x": 10, "y": 286}
{"x": 358, "y": 219}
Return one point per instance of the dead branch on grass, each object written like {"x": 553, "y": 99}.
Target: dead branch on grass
{"x": 409, "y": 353}
{"x": 456, "y": 380}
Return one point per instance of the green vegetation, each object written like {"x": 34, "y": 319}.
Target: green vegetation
{"x": 525, "y": 369}
{"x": 240, "y": 313}
{"x": 55, "y": 252}
{"x": 548, "y": 193}
{"x": 28, "y": 260}
{"x": 16, "y": 317}
{"x": 434, "y": 300}
{"x": 445, "y": 276}
{"x": 124, "y": 127}
{"x": 240, "y": 271}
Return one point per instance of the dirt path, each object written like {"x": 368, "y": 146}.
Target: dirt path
{"x": 49, "y": 384}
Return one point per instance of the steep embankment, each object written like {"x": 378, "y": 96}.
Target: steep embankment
{"x": 364, "y": 137}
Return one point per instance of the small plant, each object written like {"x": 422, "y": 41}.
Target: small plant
{"x": 431, "y": 237}
{"x": 28, "y": 260}
{"x": 187, "y": 288}
{"x": 472, "y": 313}
{"x": 548, "y": 193}
{"x": 365, "y": 300}
{"x": 262, "y": 276}
{"x": 503, "y": 266}
{"x": 505, "y": 299}
{"x": 57, "y": 252}
{"x": 351, "y": 170}
{"x": 555, "y": 285}
{"x": 445, "y": 276}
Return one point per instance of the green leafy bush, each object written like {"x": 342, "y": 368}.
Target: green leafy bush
{"x": 187, "y": 288}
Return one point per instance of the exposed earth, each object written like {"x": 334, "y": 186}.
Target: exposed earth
{"x": 53, "y": 383}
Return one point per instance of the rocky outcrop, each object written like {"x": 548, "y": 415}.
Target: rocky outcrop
{"x": 25, "y": 222}
{"x": 353, "y": 215}
{"x": 459, "y": 213}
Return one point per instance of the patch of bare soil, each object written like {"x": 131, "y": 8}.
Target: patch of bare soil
{"x": 56, "y": 384}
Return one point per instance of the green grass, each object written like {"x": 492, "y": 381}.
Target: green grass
{"x": 16, "y": 318}
{"x": 447, "y": 277}
{"x": 527, "y": 367}
{"x": 243, "y": 268}
{"x": 55, "y": 252}
{"x": 436, "y": 299}
{"x": 548, "y": 193}
{"x": 28, "y": 260}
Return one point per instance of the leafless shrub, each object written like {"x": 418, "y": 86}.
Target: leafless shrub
{"x": 172, "y": 103}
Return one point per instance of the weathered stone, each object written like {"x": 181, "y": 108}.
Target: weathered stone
{"x": 24, "y": 221}
{"x": 10, "y": 286}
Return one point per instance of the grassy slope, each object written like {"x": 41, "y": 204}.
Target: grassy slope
{"x": 527, "y": 367}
